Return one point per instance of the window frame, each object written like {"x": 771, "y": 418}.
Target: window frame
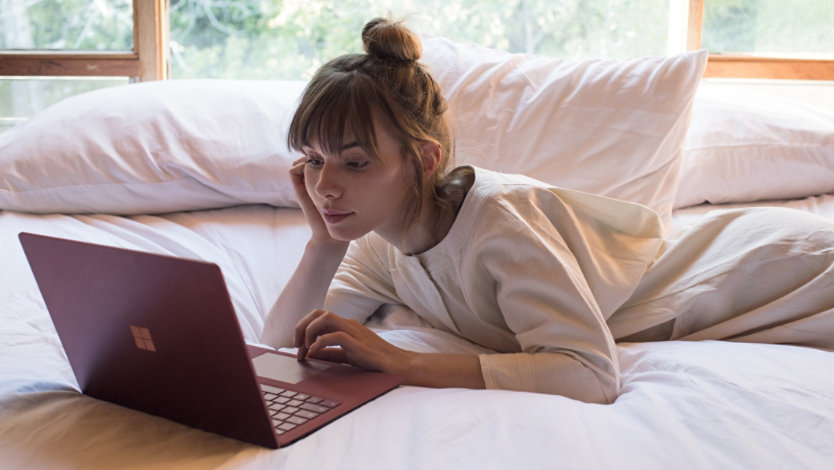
{"x": 752, "y": 67}
{"x": 149, "y": 59}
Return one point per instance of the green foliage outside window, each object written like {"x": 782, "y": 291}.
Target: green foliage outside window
{"x": 291, "y": 38}
{"x": 775, "y": 27}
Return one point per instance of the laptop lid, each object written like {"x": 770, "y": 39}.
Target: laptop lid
{"x": 159, "y": 334}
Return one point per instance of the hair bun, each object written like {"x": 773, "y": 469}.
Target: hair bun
{"x": 386, "y": 39}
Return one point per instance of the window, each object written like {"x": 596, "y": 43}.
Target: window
{"x": 766, "y": 38}
{"x": 107, "y": 42}
{"x": 42, "y": 41}
{"x": 769, "y": 27}
{"x": 52, "y": 49}
{"x": 292, "y": 38}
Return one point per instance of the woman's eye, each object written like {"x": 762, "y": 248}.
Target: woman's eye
{"x": 357, "y": 165}
{"x": 313, "y": 161}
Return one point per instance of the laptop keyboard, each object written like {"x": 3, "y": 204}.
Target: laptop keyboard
{"x": 290, "y": 409}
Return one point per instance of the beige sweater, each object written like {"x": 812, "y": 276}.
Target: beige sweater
{"x": 529, "y": 271}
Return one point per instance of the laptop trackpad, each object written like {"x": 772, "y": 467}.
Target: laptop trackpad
{"x": 285, "y": 368}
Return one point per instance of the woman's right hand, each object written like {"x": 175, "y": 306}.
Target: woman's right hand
{"x": 311, "y": 212}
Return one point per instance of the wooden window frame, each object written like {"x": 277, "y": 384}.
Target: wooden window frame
{"x": 147, "y": 61}
{"x": 742, "y": 66}
{"x": 149, "y": 58}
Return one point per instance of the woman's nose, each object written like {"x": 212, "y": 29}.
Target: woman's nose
{"x": 328, "y": 185}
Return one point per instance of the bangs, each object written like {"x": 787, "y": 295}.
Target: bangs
{"x": 332, "y": 107}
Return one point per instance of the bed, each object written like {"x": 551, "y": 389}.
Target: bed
{"x": 198, "y": 169}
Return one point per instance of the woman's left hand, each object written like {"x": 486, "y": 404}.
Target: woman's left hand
{"x": 318, "y": 332}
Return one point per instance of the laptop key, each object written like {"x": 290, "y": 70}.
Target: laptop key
{"x": 271, "y": 389}
{"x": 295, "y": 419}
{"x": 314, "y": 407}
{"x": 286, "y": 426}
{"x": 307, "y": 414}
{"x": 276, "y": 407}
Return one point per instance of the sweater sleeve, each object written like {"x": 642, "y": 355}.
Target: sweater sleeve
{"x": 363, "y": 281}
{"x": 565, "y": 345}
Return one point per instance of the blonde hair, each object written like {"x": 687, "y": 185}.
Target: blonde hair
{"x": 344, "y": 94}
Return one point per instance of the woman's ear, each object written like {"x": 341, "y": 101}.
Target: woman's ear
{"x": 431, "y": 155}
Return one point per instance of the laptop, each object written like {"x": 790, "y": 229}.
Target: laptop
{"x": 159, "y": 334}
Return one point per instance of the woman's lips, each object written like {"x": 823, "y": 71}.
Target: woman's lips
{"x": 334, "y": 217}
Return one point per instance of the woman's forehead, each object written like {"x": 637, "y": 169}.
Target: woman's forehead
{"x": 355, "y": 132}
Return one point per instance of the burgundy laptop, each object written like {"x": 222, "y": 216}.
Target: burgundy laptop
{"x": 159, "y": 334}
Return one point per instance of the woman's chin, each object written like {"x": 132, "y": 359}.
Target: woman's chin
{"x": 343, "y": 234}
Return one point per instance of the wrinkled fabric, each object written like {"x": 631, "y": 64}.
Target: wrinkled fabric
{"x": 549, "y": 279}
{"x": 757, "y": 275}
{"x": 526, "y": 269}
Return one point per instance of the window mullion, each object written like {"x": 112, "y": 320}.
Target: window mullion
{"x": 695, "y": 22}
{"x": 150, "y": 38}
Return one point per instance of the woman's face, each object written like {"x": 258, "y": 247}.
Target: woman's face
{"x": 356, "y": 193}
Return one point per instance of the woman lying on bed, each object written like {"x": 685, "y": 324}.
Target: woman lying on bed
{"x": 547, "y": 278}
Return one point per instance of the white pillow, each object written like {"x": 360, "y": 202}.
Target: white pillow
{"x": 153, "y": 147}
{"x": 745, "y": 146}
{"x": 603, "y": 126}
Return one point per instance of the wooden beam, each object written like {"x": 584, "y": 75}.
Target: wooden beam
{"x": 54, "y": 63}
{"x": 729, "y": 66}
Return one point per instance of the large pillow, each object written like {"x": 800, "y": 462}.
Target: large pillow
{"x": 744, "y": 146}
{"x": 153, "y": 147}
{"x": 603, "y": 126}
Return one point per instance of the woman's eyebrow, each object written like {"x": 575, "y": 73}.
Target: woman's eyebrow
{"x": 350, "y": 145}
{"x": 306, "y": 149}
{"x": 347, "y": 146}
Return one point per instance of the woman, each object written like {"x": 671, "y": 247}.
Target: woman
{"x": 545, "y": 279}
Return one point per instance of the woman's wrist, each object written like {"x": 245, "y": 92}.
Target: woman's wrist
{"x": 327, "y": 246}
{"x": 441, "y": 370}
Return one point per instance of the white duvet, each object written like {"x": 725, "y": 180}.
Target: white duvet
{"x": 683, "y": 404}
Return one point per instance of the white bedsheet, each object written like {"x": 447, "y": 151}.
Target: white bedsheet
{"x": 683, "y": 405}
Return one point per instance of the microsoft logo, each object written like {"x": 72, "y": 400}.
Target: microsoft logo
{"x": 143, "y": 339}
